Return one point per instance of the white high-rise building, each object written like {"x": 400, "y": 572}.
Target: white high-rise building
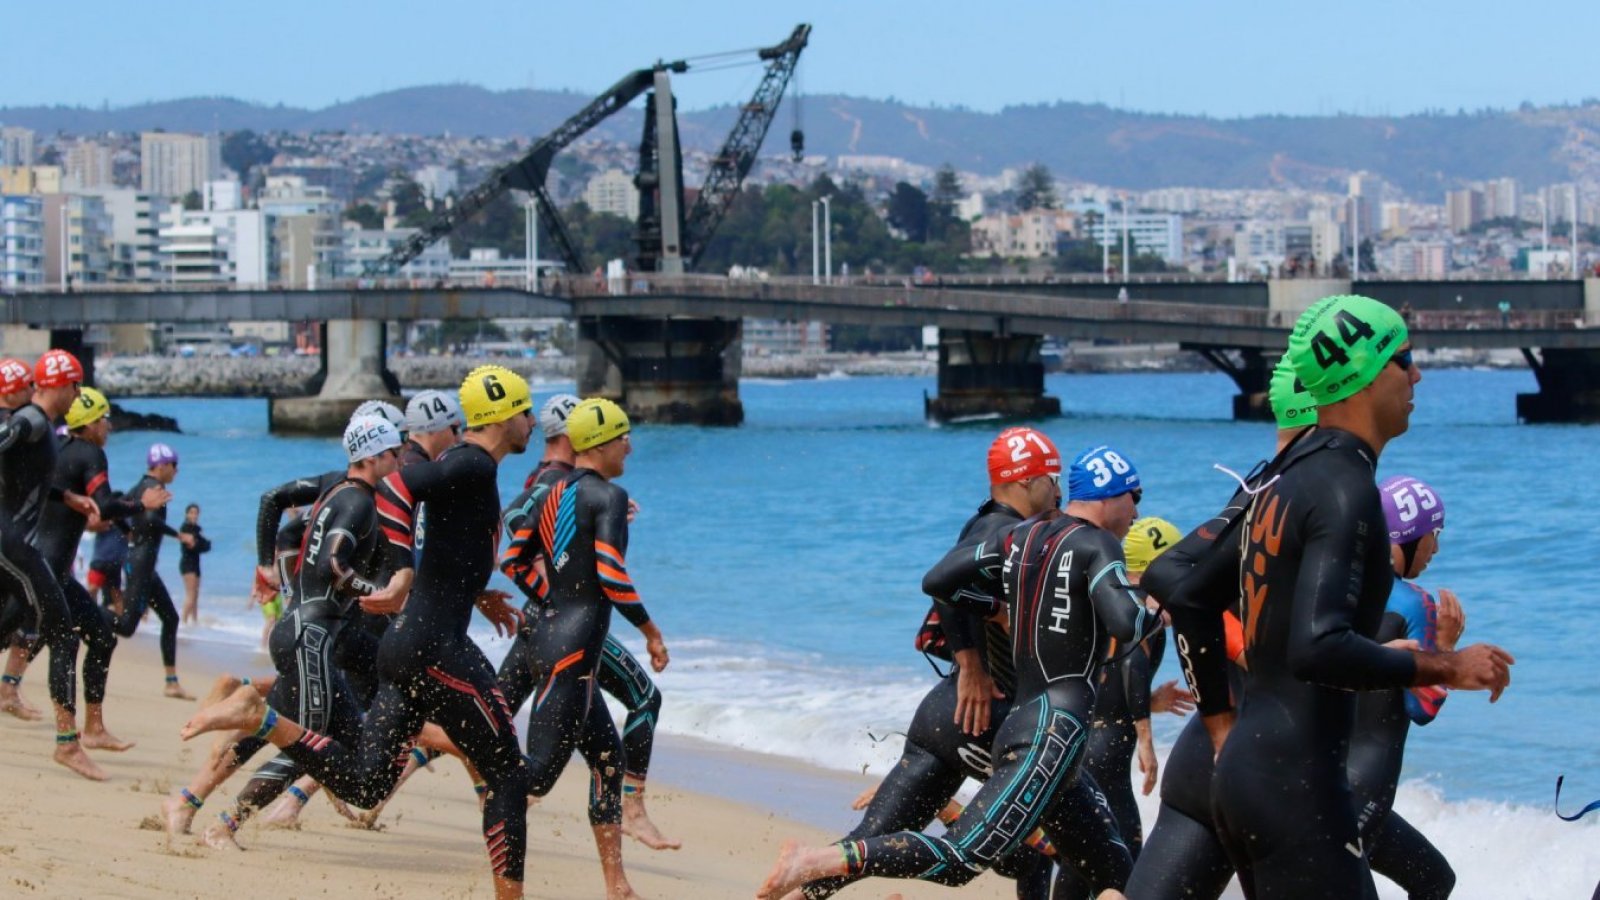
{"x": 77, "y": 240}
{"x": 1158, "y": 233}
{"x": 16, "y": 146}
{"x": 21, "y": 240}
{"x": 436, "y": 181}
{"x": 612, "y": 191}
{"x": 88, "y": 166}
{"x": 201, "y": 246}
{"x": 172, "y": 165}
{"x": 135, "y": 232}
{"x": 368, "y": 245}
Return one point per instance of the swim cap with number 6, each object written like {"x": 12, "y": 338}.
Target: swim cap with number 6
{"x": 493, "y": 394}
{"x": 594, "y": 422}
{"x": 1341, "y": 344}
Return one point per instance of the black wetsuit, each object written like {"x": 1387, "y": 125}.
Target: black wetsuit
{"x": 1313, "y": 586}
{"x": 357, "y": 652}
{"x": 938, "y": 756}
{"x": 343, "y": 560}
{"x": 189, "y": 557}
{"x": 429, "y": 669}
{"x": 1066, "y": 585}
{"x": 34, "y": 598}
{"x": 580, "y": 526}
{"x": 145, "y": 586}
{"x": 81, "y": 468}
{"x": 621, "y": 674}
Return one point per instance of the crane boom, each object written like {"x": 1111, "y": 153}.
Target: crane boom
{"x": 738, "y": 154}
{"x": 528, "y": 174}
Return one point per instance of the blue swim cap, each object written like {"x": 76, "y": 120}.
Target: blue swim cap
{"x": 1100, "y": 474}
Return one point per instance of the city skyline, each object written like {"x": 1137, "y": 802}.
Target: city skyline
{"x": 1372, "y": 58}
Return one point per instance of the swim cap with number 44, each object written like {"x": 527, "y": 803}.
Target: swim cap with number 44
{"x": 596, "y": 421}
{"x": 493, "y": 394}
{"x": 1341, "y": 344}
{"x": 1022, "y": 453}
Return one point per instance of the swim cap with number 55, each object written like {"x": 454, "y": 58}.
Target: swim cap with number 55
{"x": 1341, "y": 344}
{"x": 1022, "y": 453}
{"x": 594, "y": 422}
{"x": 493, "y": 394}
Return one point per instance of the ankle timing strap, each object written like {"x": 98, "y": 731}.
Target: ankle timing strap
{"x": 13, "y": 680}
{"x": 632, "y": 790}
{"x": 190, "y": 799}
{"x": 295, "y": 792}
{"x": 230, "y": 821}
{"x": 172, "y": 679}
{"x": 267, "y": 722}
{"x": 67, "y": 737}
{"x": 419, "y": 756}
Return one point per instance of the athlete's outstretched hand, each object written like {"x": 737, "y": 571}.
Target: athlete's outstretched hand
{"x": 505, "y": 618}
{"x": 1171, "y": 698}
{"x": 266, "y": 585}
{"x": 391, "y": 598}
{"x": 1480, "y": 667}
{"x": 1452, "y": 620}
{"x": 1149, "y": 766}
{"x": 657, "y": 648}
{"x": 633, "y": 510}
{"x": 83, "y": 506}
{"x": 155, "y": 497}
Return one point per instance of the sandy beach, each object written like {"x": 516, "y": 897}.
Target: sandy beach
{"x": 65, "y": 836}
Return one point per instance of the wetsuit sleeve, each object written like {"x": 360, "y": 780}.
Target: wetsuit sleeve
{"x": 25, "y": 426}
{"x": 398, "y": 496}
{"x": 969, "y": 575}
{"x": 963, "y": 628}
{"x": 1196, "y": 581}
{"x": 336, "y": 565}
{"x": 299, "y": 492}
{"x": 1135, "y": 671}
{"x": 1323, "y": 645}
{"x": 169, "y": 531}
{"x": 97, "y": 485}
{"x": 522, "y": 549}
{"x": 1118, "y": 604}
{"x": 1421, "y": 614}
{"x": 610, "y": 549}
{"x": 202, "y": 544}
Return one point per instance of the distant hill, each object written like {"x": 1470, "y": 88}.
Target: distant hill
{"x": 1424, "y": 154}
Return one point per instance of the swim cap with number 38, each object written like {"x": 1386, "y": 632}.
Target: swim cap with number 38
{"x": 493, "y": 394}
{"x": 594, "y": 422}
{"x": 1341, "y": 344}
{"x": 1100, "y": 474}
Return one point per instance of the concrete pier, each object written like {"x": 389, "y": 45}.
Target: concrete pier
{"x": 353, "y": 371}
{"x": 673, "y": 370}
{"x": 983, "y": 375}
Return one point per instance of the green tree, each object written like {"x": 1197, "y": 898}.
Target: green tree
{"x": 1037, "y": 188}
{"x": 192, "y": 201}
{"x": 245, "y": 150}
{"x": 410, "y": 202}
{"x": 908, "y": 211}
{"x": 364, "y": 214}
{"x": 947, "y": 192}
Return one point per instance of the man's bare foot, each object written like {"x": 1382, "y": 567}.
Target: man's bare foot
{"x": 13, "y": 704}
{"x": 176, "y": 691}
{"x": 218, "y": 836}
{"x": 178, "y": 814}
{"x": 283, "y": 813}
{"x": 793, "y": 869}
{"x": 72, "y": 756}
{"x": 343, "y": 809}
{"x": 637, "y": 825}
{"x": 242, "y": 709}
{"x": 104, "y": 740}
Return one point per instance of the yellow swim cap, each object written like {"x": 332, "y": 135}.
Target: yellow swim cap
{"x": 594, "y": 422}
{"x": 493, "y": 394}
{"x": 1147, "y": 539}
{"x": 90, "y": 407}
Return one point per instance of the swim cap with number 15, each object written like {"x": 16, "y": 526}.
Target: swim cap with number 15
{"x": 491, "y": 394}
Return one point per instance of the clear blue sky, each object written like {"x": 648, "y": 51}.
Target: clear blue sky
{"x": 1219, "y": 57}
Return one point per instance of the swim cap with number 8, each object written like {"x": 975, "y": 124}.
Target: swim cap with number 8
{"x": 594, "y": 422}
{"x": 89, "y": 407}
{"x": 1100, "y": 474}
{"x": 1341, "y": 344}
{"x": 491, "y": 394}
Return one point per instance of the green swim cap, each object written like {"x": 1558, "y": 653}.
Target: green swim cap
{"x": 1291, "y": 405}
{"x": 1341, "y": 343}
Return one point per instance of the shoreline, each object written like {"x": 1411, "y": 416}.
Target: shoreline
{"x": 104, "y": 839}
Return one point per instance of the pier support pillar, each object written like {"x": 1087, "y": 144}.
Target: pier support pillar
{"x": 1251, "y": 370}
{"x": 1569, "y": 387}
{"x": 353, "y": 371}
{"x": 983, "y": 376}
{"x": 676, "y": 370}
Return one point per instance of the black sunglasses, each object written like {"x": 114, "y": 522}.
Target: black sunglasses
{"x": 1402, "y": 359}
{"x": 1138, "y": 496}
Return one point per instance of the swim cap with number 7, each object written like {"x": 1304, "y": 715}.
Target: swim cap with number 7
{"x": 491, "y": 394}
{"x": 1341, "y": 344}
{"x": 596, "y": 421}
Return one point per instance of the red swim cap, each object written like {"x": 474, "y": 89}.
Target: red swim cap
{"x": 14, "y": 375}
{"x": 57, "y": 368}
{"x": 1020, "y": 453}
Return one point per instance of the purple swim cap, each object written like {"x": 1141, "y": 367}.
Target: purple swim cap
{"x": 1411, "y": 508}
{"x": 159, "y": 454}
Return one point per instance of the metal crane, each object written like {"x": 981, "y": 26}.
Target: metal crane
{"x": 728, "y": 168}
